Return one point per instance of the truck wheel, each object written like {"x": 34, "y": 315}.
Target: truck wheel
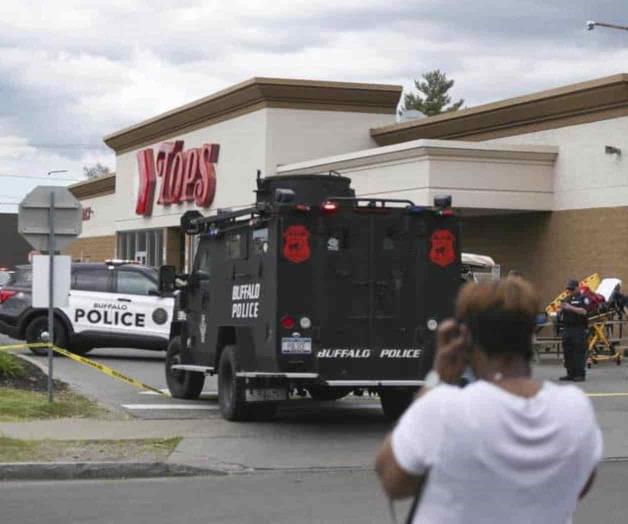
{"x": 323, "y": 393}
{"x": 395, "y": 401}
{"x": 182, "y": 384}
{"x": 231, "y": 393}
{"x": 38, "y": 326}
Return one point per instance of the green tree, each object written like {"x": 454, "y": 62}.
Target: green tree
{"x": 434, "y": 86}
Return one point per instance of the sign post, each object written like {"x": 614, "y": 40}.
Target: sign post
{"x": 51, "y": 292}
{"x": 49, "y": 218}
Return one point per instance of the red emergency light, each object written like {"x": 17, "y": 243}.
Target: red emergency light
{"x": 288, "y": 322}
{"x": 5, "y": 295}
{"x": 329, "y": 207}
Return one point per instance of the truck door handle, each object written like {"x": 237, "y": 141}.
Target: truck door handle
{"x": 124, "y": 300}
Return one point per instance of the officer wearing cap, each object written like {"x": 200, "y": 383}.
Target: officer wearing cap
{"x": 573, "y": 313}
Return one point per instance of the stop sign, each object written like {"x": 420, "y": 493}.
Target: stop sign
{"x": 39, "y": 206}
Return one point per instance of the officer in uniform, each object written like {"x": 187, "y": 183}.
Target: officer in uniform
{"x": 573, "y": 312}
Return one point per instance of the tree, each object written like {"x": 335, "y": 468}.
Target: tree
{"x": 96, "y": 170}
{"x": 435, "y": 86}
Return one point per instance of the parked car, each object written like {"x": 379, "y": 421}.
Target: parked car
{"x": 110, "y": 305}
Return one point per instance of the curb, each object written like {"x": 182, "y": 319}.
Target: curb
{"x": 98, "y": 470}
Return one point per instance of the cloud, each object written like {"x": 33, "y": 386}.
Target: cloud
{"x": 72, "y": 71}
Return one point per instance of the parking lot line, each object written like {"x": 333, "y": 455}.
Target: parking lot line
{"x": 607, "y": 394}
{"x": 208, "y": 407}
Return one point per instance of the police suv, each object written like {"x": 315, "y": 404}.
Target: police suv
{"x": 111, "y": 304}
{"x": 312, "y": 289}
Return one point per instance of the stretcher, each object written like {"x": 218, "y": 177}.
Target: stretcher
{"x": 605, "y": 337}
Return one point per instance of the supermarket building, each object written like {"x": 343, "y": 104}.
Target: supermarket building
{"x": 539, "y": 180}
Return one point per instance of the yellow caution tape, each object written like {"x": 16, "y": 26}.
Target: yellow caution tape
{"x": 88, "y": 362}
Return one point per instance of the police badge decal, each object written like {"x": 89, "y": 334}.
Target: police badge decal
{"x": 296, "y": 244}
{"x": 442, "y": 252}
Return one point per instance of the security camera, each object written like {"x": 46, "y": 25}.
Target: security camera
{"x": 590, "y": 25}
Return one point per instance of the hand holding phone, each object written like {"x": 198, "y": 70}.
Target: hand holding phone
{"x": 452, "y": 349}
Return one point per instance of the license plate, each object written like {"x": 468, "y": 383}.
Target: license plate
{"x": 296, "y": 345}
{"x": 266, "y": 394}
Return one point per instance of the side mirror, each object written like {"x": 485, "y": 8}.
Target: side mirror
{"x": 167, "y": 276}
{"x": 197, "y": 277}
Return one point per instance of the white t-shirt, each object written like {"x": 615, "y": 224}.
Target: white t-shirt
{"x": 494, "y": 457}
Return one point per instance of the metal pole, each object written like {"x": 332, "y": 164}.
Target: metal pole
{"x": 612, "y": 26}
{"x": 51, "y": 287}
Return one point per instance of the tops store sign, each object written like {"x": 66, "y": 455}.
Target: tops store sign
{"x": 186, "y": 175}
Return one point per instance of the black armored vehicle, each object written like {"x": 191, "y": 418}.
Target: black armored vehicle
{"x": 312, "y": 289}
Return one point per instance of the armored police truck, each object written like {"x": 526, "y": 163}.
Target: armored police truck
{"x": 312, "y": 289}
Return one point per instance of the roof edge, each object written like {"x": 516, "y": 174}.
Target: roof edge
{"x": 99, "y": 186}
{"x": 543, "y": 106}
{"x": 251, "y": 95}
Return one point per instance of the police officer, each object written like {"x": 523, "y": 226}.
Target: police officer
{"x": 573, "y": 313}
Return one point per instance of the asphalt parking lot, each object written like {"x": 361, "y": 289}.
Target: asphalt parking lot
{"x": 339, "y": 438}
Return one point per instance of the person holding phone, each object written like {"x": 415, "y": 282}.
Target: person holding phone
{"x": 506, "y": 448}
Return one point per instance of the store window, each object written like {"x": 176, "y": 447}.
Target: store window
{"x": 145, "y": 247}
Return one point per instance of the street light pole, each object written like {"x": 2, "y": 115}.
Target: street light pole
{"x": 591, "y": 25}
{"x": 57, "y": 171}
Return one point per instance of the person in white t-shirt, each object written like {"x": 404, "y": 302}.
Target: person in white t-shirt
{"x": 505, "y": 449}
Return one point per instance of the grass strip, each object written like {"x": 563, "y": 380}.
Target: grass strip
{"x": 141, "y": 450}
{"x": 18, "y": 405}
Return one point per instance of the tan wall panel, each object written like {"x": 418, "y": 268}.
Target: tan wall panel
{"x": 93, "y": 249}
{"x": 175, "y": 248}
{"x": 549, "y": 248}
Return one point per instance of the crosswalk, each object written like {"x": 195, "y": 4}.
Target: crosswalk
{"x": 164, "y": 406}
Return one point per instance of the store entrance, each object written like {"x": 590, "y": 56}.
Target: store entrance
{"x": 144, "y": 247}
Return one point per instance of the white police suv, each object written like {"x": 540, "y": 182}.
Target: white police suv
{"x": 111, "y": 304}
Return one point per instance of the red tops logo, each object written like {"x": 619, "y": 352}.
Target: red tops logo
{"x": 442, "y": 252}
{"x": 296, "y": 244}
{"x": 186, "y": 176}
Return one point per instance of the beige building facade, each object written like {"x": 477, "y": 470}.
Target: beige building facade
{"x": 539, "y": 180}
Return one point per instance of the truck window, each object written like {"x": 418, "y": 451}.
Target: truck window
{"x": 204, "y": 261}
{"x": 259, "y": 241}
{"x": 92, "y": 279}
{"x": 135, "y": 283}
{"x": 236, "y": 246}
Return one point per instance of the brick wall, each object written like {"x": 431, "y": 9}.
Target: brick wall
{"x": 93, "y": 249}
{"x": 549, "y": 248}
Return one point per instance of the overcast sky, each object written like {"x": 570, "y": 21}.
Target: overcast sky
{"x": 72, "y": 71}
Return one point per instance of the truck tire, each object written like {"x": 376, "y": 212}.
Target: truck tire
{"x": 395, "y": 401}
{"x": 231, "y": 393}
{"x": 182, "y": 384}
{"x": 39, "y": 325}
{"x": 324, "y": 393}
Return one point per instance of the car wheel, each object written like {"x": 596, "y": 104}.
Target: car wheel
{"x": 395, "y": 401}
{"x": 182, "y": 384}
{"x": 38, "y": 326}
{"x": 80, "y": 349}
